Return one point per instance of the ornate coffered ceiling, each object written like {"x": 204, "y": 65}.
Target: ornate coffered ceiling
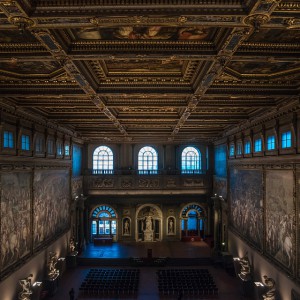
{"x": 149, "y": 70}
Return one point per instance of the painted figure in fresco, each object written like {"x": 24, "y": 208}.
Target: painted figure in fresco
{"x": 126, "y": 227}
{"x": 192, "y": 33}
{"x": 26, "y": 288}
{"x": 270, "y": 284}
{"x": 171, "y": 225}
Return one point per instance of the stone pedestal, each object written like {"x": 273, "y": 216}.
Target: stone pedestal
{"x": 148, "y": 235}
{"x": 51, "y": 285}
{"x": 246, "y": 287}
{"x": 71, "y": 260}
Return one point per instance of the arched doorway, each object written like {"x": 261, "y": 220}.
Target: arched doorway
{"x": 103, "y": 223}
{"x": 193, "y": 222}
{"x": 148, "y": 223}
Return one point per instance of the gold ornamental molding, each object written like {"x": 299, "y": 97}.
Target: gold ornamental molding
{"x": 21, "y": 22}
{"x": 257, "y": 20}
{"x": 138, "y": 20}
{"x": 293, "y": 23}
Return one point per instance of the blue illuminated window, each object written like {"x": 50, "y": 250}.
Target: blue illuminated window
{"x": 67, "y": 150}
{"x": 59, "y": 148}
{"x": 231, "y": 150}
{"x": 190, "y": 161}
{"x": 103, "y": 160}
{"x": 8, "y": 139}
{"x": 239, "y": 149}
{"x": 94, "y": 227}
{"x": 147, "y": 161}
{"x": 25, "y": 142}
{"x": 258, "y": 145}
{"x": 286, "y": 139}
{"x": 247, "y": 147}
{"x": 271, "y": 143}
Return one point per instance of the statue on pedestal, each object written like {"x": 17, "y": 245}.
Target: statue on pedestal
{"x": 126, "y": 227}
{"x": 52, "y": 271}
{"x": 72, "y": 247}
{"x": 270, "y": 284}
{"x": 148, "y": 231}
{"x": 26, "y": 292}
{"x": 245, "y": 272}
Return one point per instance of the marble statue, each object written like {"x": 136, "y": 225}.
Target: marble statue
{"x": 126, "y": 227}
{"x": 245, "y": 272}
{"x": 148, "y": 231}
{"x": 72, "y": 247}
{"x": 148, "y": 222}
{"x": 26, "y": 286}
{"x": 52, "y": 271}
{"x": 270, "y": 284}
{"x": 171, "y": 225}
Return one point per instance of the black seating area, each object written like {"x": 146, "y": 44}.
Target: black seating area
{"x": 110, "y": 283}
{"x": 192, "y": 283}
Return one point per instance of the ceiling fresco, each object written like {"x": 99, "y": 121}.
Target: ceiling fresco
{"x": 144, "y": 67}
{"x": 144, "y": 33}
{"x": 138, "y": 72}
{"x": 30, "y": 67}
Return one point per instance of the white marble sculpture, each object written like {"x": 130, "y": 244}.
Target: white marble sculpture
{"x": 53, "y": 272}
{"x": 270, "y": 284}
{"x": 26, "y": 286}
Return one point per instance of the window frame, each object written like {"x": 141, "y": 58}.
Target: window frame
{"x": 25, "y": 142}
{"x": 10, "y": 140}
{"x": 196, "y": 161}
{"x": 246, "y": 144}
{"x": 103, "y": 160}
{"x": 151, "y": 165}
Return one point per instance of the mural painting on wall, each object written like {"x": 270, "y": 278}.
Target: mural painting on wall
{"x": 15, "y": 217}
{"x": 220, "y": 186}
{"x": 246, "y": 193}
{"x": 280, "y": 217}
{"x": 51, "y": 204}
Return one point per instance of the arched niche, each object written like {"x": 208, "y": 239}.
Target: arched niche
{"x": 193, "y": 221}
{"x": 103, "y": 222}
{"x": 148, "y": 223}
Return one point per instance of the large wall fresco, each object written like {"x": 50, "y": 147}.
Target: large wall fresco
{"x": 15, "y": 237}
{"x": 280, "y": 217}
{"x": 246, "y": 193}
{"x": 51, "y": 204}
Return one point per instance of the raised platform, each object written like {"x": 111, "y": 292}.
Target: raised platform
{"x": 122, "y": 254}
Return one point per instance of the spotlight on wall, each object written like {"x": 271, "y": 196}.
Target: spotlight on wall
{"x": 62, "y": 259}
{"x": 37, "y": 283}
{"x": 236, "y": 259}
{"x": 257, "y": 283}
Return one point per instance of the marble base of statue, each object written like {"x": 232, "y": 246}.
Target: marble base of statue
{"x": 148, "y": 235}
{"x": 71, "y": 259}
{"x": 246, "y": 285}
{"x": 51, "y": 284}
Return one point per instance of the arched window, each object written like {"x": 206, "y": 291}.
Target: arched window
{"x": 190, "y": 161}
{"x": 103, "y": 221}
{"x": 103, "y": 160}
{"x": 147, "y": 161}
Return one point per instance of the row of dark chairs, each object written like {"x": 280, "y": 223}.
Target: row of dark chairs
{"x": 186, "y": 282}
{"x": 110, "y": 282}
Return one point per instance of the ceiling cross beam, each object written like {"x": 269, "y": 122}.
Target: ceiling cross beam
{"x": 259, "y": 14}
{"x": 18, "y": 16}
